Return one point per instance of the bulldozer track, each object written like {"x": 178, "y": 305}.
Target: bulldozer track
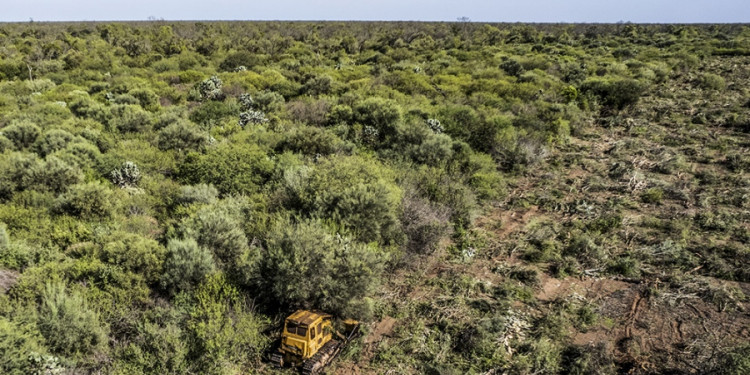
{"x": 315, "y": 364}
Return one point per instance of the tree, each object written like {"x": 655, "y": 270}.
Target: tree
{"x": 358, "y": 194}
{"x": 303, "y": 265}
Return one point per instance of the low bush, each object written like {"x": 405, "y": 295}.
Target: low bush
{"x": 130, "y": 118}
{"x": 187, "y": 264}
{"x": 69, "y": 326}
{"x": 231, "y": 169}
{"x": 425, "y": 224}
{"x": 23, "y": 134}
{"x": 53, "y": 140}
{"x": 19, "y": 341}
{"x": 182, "y": 136}
{"x": 87, "y": 201}
{"x": 652, "y": 195}
{"x": 710, "y": 81}
{"x": 615, "y": 93}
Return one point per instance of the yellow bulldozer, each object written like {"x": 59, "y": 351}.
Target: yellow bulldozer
{"x": 308, "y": 340}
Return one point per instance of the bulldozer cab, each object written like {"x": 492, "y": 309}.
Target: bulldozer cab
{"x": 307, "y": 341}
{"x": 305, "y": 332}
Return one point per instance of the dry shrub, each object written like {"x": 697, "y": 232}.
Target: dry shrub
{"x": 309, "y": 112}
{"x": 424, "y": 223}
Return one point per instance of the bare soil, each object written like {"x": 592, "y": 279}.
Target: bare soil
{"x": 7, "y": 279}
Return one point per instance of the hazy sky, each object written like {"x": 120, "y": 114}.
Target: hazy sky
{"x": 423, "y": 10}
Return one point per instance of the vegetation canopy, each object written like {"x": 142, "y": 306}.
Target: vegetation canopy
{"x": 485, "y": 198}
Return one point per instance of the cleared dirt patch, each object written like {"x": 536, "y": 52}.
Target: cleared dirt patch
{"x": 383, "y": 328}
{"x": 7, "y": 279}
{"x": 649, "y": 330}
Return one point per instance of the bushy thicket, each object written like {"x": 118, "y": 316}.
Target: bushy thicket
{"x": 168, "y": 190}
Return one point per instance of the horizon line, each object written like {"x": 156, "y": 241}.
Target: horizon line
{"x": 622, "y": 22}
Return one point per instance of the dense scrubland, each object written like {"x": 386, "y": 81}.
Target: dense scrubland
{"x": 487, "y": 198}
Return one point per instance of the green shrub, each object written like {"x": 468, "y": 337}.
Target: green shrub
{"x": 130, "y": 118}
{"x": 303, "y": 265}
{"x": 69, "y": 326}
{"x": 212, "y": 113}
{"x": 158, "y": 347}
{"x": 435, "y": 150}
{"x": 52, "y": 175}
{"x": 269, "y": 101}
{"x": 222, "y": 333}
{"x": 512, "y": 67}
{"x": 18, "y": 341}
{"x": 218, "y": 228}
{"x": 357, "y": 193}
{"x": 310, "y": 140}
{"x": 652, "y": 195}
{"x": 616, "y": 93}
{"x": 483, "y": 176}
{"x": 463, "y": 122}
{"x": 90, "y": 109}
{"x": 6, "y": 144}
{"x": 4, "y": 239}
{"x": 710, "y": 81}
{"x": 53, "y": 140}
{"x": 238, "y": 59}
{"x": 136, "y": 254}
{"x": 626, "y": 266}
{"x": 182, "y": 136}
{"x": 737, "y": 162}
{"x": 125, "y": 99}
{"x": 10, "y": 69}
{"x": 381, "y": 114}
{"x": 23, "y": 134}
{"x": 87, "y": 201}
{"x": 318, "y": 85}
{"x": 146, "y": 99}
{"x": 165, "y": 119}
{"x": 585, "y": 250}
{"x": 733, "y": 362}
{"x": 232, "y": 169}
{"x": 186, "y": 265}
{"x": 15, "y": 167}
{"x": 340, "y": 114}
{"x": 200, "y": 193}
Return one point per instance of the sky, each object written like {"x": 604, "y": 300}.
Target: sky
{"x": 639, "y": 11}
